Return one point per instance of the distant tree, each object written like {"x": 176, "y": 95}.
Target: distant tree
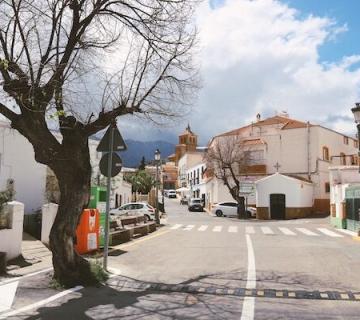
{"x": 141, "y": 181}
{"x": 228, "y": 158}
{"x": 49, "y": 48}
{"x": 142, "y": 164}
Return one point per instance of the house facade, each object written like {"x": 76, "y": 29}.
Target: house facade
{"x": 296, "y": 148}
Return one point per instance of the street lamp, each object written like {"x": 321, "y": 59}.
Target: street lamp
{"x": 157, "y": 162}
{"x": 356, "y": 112}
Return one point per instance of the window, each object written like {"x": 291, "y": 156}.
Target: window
{"x": 326, "y": 153}
{"x": 327, "y": 187}
{"x": 356, "y": 144}
{"x": 342, "y": 158}
{"x": 346, "y": 140}
{"x": 354, "y": 160}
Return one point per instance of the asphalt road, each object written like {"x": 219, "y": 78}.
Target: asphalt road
{"x": 203, "y": 267}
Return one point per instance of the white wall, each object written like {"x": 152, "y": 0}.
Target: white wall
{"x": 298, "y": 193}
{"x": 10, "y": 239}
{"x": 17, "y": 161}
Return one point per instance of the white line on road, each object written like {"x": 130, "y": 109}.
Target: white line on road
{"x": 188, "y": 227}
{"x": 176, "y": 226}
{"x": 233, "y": 229}
{"x": 40, "y": 303}
{"x": 348, "y": 232}
{"x": 307, "y": 232}
{"x": 7, "y": 295}
{"x": 249, "y": 230}
{"x": 202, "y": 228}
{"x": 330, "y": 233}
{"x": 266, "y": 230}
{"x": 217, "y": 229}
{"x": 248, "y": 309}
{"x": 287, "y": 231}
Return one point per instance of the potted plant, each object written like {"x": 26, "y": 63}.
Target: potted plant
{"x": 5, "y": 196}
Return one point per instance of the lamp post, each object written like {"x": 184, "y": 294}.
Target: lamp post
{"x": 356, "y": 112}
{"x": 157, "y": 161}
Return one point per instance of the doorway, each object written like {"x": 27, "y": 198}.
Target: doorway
{"x": 277, "y": 206}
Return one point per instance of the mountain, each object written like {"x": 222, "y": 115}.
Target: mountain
{"x": 137, "y": 149}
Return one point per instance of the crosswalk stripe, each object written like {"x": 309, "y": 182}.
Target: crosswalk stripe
{"x": 307, "y": 232}
{"x": 202, "y": 228}
{"x": 250, "y": 230}
{"x": 217, "y": 229}
{"x": 287, "y": 231}
{"x": 266, "y": 230}
{"x": 176, "y": 226}
{"x": 330, "y": 233}
{"x": 233, "y": 229}
{"x": 188, "y": 227}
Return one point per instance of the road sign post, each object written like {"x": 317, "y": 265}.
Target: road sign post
{"x": 108, "y": 190}
{"x": 110, "y": 166}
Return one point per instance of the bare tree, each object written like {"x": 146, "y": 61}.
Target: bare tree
{"x": 228, "y": 159}
{"x": 48, "y": 51}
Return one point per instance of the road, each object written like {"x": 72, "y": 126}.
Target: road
{"x": 203, "y": 267}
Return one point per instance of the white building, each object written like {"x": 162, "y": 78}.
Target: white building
{"x": 291, "y": 147}
{"x": 341, "y": 178}
{"x": 17, "y": 164}
{"x": 187, "y": 161}
{"x": 282, "y": 197}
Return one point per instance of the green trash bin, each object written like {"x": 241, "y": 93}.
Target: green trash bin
{"x": 98, "y": 201}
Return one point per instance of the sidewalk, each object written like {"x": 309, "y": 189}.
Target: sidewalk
{"x": 35, "y": 257}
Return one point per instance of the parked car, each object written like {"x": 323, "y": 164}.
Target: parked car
{"x": 229, "y": 209}
{"x": 134, "y": 209}
{"x": 171, "y": 193}
{"x": 195, "y": 204}
{"x": 225, "y": 209}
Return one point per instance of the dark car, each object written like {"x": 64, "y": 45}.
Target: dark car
{"x": 195, "y": 204}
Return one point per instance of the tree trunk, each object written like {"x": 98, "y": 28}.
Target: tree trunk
{"x": 74, "y": 178}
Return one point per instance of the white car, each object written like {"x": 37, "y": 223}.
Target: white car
{"x": 134, "y": 209}
{"x": 171, "y": 193}
{"x": 229, "y": 209}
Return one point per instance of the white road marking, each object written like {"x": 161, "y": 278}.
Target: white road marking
{"x": 176, "y": 226}
{"x": 40, "y": 303}
{"x": 348, "y": 232}
{"x": 266, "y": 230}
{"x": 233, "y": 229}
{"x": 249, "y": 230}
{"x": 203, "y": 228}
{"x": 7, "y": 295}
{"x": 188, "y": 227}
{"x": 249, "y": 302}
{"x": 307, "y": 232}
{"x": 330, "y": 233}
{"x": 217, "y": 229}
{"x": 287, "y": 231}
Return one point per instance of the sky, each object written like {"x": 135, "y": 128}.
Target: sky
{"x": 268, "y": 56}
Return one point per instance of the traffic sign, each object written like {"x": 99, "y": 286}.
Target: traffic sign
{"x": 115, "y": 167}
{"x": 118, "y": 141}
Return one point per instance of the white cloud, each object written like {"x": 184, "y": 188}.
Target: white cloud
{"x": 261, "y": 56}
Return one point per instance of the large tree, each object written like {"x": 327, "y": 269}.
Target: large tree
{"x": 228, "y": 159}
{"x": 53, "y": 54}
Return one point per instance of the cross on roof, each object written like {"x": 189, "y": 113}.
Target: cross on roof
{"x": 277, "y": 166}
